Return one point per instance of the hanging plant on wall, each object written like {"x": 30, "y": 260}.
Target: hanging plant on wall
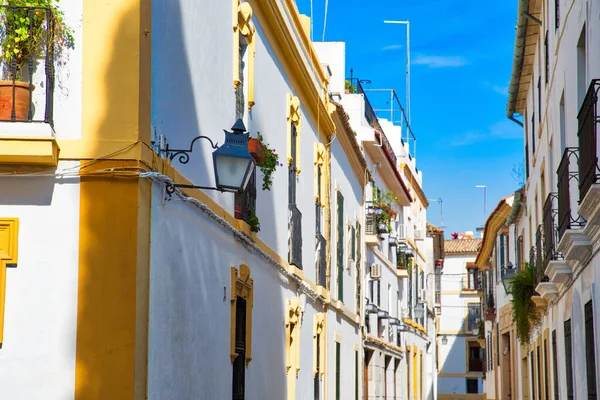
{"x": 525, "y": 314}
{"x": 266, "y": 159}
{"x": 253, "y": 221}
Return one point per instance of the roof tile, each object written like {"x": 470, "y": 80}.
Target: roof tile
{"x": 462, "y": 246}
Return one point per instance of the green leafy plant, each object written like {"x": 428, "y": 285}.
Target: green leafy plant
{"x": 525, "y": 314}
{"x": 253, "y": 221}
{"x": 385, "y": 214}
{"x": 28, "y": 29}
{"x": 350, "y": 87}
{"x": 269, "y": 161}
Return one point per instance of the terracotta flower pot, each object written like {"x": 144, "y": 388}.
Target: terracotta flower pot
{"x": 22, "y": 90}
{"x": 256, "y": 149}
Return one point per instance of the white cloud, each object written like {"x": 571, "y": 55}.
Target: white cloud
{"x": 392, "y": 47}
{"x": 502, "y": 130}
{"x": 440, "y": 61}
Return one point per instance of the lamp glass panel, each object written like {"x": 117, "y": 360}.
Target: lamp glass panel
{"x": 231, "y": 171}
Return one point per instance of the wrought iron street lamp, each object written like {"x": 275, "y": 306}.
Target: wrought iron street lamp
{"x": 444, "y": 340}
{"x": 232, "y": 162}
{"x": 507, "y": 272}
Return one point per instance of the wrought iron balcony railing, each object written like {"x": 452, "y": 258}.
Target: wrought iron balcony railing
{"x": 295, "y": 236}
{"x": 550, "y": 229}
{"x": 321, "y": 260}
{"x": 532, "y": 255}
{"x": 370, "y": 115}
{"x": 27, "y": 88}
{"x": 589, "y": 169}
{"x": 539, "y": 253}
{"x": 565, "y": 173}
{"x": 245, "y": 201}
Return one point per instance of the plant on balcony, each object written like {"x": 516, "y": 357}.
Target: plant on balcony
{"x": 268, "y": 161}
{"x": 525, "y": 314}
{"x": 253, "y": 221}
{"x": 385, "y": 213}
{"x": 350, "y": 88}
{"x": 26, "y": 33}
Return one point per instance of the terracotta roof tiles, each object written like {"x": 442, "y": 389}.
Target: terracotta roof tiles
{"x": 462, "y": 246}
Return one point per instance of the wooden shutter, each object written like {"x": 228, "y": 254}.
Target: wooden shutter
{"x": 555, "y": 365}
{"x": 337, "y": 371}
{"x": 340, "y": 246}
{"x": 358, "y": 267}
{"x": 568, "y": 359}
{"x": 590, "y": 355}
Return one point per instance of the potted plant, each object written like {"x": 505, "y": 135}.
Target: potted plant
{"x": 524, "y": 311}
{"x": 27, "y": 29}
{"x": 266, "y": 159}
{"x": 350, "y": 88}
{"x": 385, "y": 213}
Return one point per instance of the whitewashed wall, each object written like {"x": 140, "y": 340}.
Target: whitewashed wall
{"x": 37, "y": 359}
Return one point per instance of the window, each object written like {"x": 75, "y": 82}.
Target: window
{"x": 473, "y": 315}
{"x": 242, "y": 295}
{"x": 546, "y": 371}
{"x": 358, "y": 267}
{"x": 590, "y": 354}
{"x": 526, "y": 159}
{"x": 355, "y": 375}
{"x": 556, "y": 14}
{"x": 295, "y": 216}
{"x": 320, "y": 242}
{"x": 555, "y": 365}
{"x": 532, "y": 364}
{"x": 292, "y": 343}
{"x": 475, "y": 357}
{"x": 539, "y": 375}
{"x": 319, "y": 356}
{"x": 472, "y": 386}
{"x": 340, "y": 246}
{"x": 243, "y": 65}
{"x": 547, "y": 58}
{"x": 472, "y": 277}
{"x": 581, "y": 68}
{"x": 533, "y": 133}
{"x": 337, "y": 371}
{"x": 539, "y": 93}
{"x": 239, "y": 364}
{"x": 568, "y": 359}
{"x": 9, "y": 238}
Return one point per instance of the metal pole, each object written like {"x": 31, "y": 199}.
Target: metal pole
{"x": 408, "y": 70}
{"x": 484, "y": 187}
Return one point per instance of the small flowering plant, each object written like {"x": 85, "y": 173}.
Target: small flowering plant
{"x": 385, "y": 213}
{"x": 269, "y": 161}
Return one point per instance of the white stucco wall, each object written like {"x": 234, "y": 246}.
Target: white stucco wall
{"x": 37, "y": 358}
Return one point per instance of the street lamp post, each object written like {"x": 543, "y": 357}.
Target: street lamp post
{"x": 407, "y": 23}
{"x": 484, "y": 187}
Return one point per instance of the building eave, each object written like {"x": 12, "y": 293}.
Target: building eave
{"x": 524, "y": 56}
{"x": 495, "y": 221}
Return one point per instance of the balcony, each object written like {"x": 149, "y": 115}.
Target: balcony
{"x": 555, "y": 267}
{"x": 295, "y": 236}
{"x": 573, "y": 243}
{"x": 28, "y": 93}
{"x": 245, "y": 202}
{"x": 321, "y": 258}
{"x": 379, "y": 149}
{"x": 589, "y": 169}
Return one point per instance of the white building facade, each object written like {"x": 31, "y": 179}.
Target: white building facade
{"x": 553, "y": 95}
{"x": 460, "y": 371}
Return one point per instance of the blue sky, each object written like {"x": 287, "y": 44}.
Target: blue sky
{"x": 461, "y": 64}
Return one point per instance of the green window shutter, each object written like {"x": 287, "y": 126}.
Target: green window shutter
{"x": 340, "y": 246}
{"x": 337, "y": 370}
{"x": 353, "y": 243}
{"x": 358, "y": 265}
{"x": 355, "y": 375}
